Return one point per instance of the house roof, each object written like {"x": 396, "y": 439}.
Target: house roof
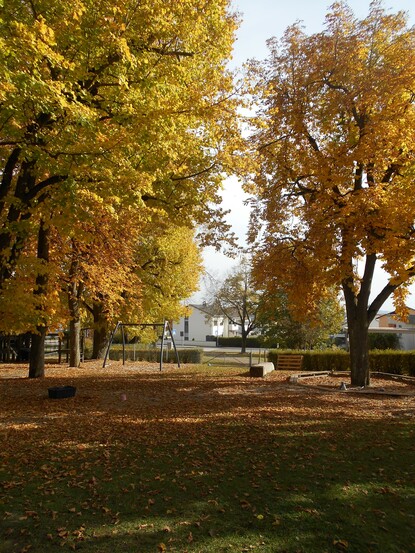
{"x": 204, "y": 308}
{"x": 391, "y": 313}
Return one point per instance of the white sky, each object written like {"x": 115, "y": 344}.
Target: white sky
{"x": 261, "y": 20}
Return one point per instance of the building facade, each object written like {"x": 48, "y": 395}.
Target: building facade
{"x": 201, "y": 324}
{"x": 390, "y": 322}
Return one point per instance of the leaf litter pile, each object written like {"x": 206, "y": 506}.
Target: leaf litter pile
{"x": 203, "y": 459}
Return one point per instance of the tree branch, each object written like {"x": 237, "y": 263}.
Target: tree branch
{"x": 8, "y": 172}
{"x": 175, "y": 179}
{"x": 33, "y": 192}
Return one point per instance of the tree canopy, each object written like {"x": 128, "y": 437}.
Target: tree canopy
{"x": 279, "y": 325}
{"x": 335, "y": 184}
{"x": 112, "y": 114}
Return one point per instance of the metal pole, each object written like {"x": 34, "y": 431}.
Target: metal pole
{"x": 162, "y": 346}
{"x": 123, "y": 344}
{"x": 174, "y": 345}
{"x": 110, "y": 343}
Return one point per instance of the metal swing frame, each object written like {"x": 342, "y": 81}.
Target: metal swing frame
{"x": 166, "y": 328}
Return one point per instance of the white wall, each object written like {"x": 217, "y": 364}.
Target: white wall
{"x": 200, "y": 325}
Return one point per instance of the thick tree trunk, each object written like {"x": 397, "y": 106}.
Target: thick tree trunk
{"x": 75, "y": 342}
{"x": 358, "y": 327}
{"x": 37, "y": 353}
{"x": 101, "y": 331}
{"x": 359, "y": 316}
{"x": 37, "y": 349}
{"x": 359, "y": 350}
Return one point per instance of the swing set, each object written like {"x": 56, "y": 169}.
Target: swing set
{"x": 166, "y": 329}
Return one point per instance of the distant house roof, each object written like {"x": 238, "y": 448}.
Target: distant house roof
{"x": 204, "y": 308}
{"x": 411, "y": 315}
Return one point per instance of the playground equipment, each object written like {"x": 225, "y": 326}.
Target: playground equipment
{"x": 166, "y": 329}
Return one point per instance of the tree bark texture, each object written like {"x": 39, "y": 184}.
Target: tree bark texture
{"x": 37, "y": 349}
{"x": 101, "y": 331}
{"x": 75, "y": 342}
{"x": 37, "y": 353}
{"x": 359, "y": 350}
{"x": 75, "y": 290}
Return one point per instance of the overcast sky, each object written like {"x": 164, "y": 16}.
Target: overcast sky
{"x": 261, "y": 20}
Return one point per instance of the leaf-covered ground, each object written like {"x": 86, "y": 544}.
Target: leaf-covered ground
{"x": 203, "y": 460}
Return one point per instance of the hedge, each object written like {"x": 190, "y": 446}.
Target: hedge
{"x": 316, "y": 360}
{"x": 187, "y": 355}
{"x": 388, "y": 361}
{"x": 393, "y": 362}
{"x": 251, "y": 342}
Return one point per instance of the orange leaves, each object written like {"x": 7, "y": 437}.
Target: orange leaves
{"x": 335, "y": 181}
{"x": 341, "y": 545}
{"x": 216, "y": 459}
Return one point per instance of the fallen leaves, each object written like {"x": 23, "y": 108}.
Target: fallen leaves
{"x": 178, "y": 469}
{"x": 341, "y": 545}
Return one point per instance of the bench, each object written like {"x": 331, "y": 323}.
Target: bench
{"x": 286, "y": 362}
{"x": 261, "y": 369}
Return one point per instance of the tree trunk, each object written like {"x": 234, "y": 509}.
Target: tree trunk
{"x": 359, "y": 350}
{"x": 37, "y": 349}
{"x": 37, "y": 353}
{"x": 74, "y": 294}
{"x": 101, "y": 331}
{"x": 359, "y": 316}
{"x": 244, "y": 337}
{"x": 75, "y": 342}
{"x": 358, "y": 328}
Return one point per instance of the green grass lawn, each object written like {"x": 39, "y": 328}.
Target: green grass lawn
{"x": 202, "y": 460}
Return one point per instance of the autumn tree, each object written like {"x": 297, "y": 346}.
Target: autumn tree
{"x": 100, "y": 278}
{"x": 164, "y": 270}
{"x": 335, "y": 186}
{"x": 169, "y": 266}
{"x": 237, "y": 299}
{"x": 279, "y": 325}
{"x": 129, "y": 103}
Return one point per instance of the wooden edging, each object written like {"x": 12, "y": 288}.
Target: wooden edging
{"x": 295, "y": 379}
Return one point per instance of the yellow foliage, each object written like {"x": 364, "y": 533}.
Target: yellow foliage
{"x": 117, "y": 119}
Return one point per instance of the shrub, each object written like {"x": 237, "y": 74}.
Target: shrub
{"x": 236, "y": 342}
{"x": 393, "y": 362}
{"x": 387, "y": 361}
{"x": 188, "y": 355}
{"x": 383, "y": 341}
{"x": 316, "y": 360}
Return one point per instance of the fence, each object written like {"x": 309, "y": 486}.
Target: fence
{"x": 233, "y": 358}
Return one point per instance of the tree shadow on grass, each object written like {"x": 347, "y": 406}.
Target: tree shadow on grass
{"x": 192, "y": 464}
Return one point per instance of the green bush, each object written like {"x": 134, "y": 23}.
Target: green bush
{"x": 316, "y": 360}
{"x": 392, "y": 362}
{"x": 387, "y": 361}
{"x": 188, "y": 355}
{"x": 236, "y": 342}
{"x": 383, "y": 341}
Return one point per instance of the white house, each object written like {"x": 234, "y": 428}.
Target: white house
{"x": 201, "y": 324}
